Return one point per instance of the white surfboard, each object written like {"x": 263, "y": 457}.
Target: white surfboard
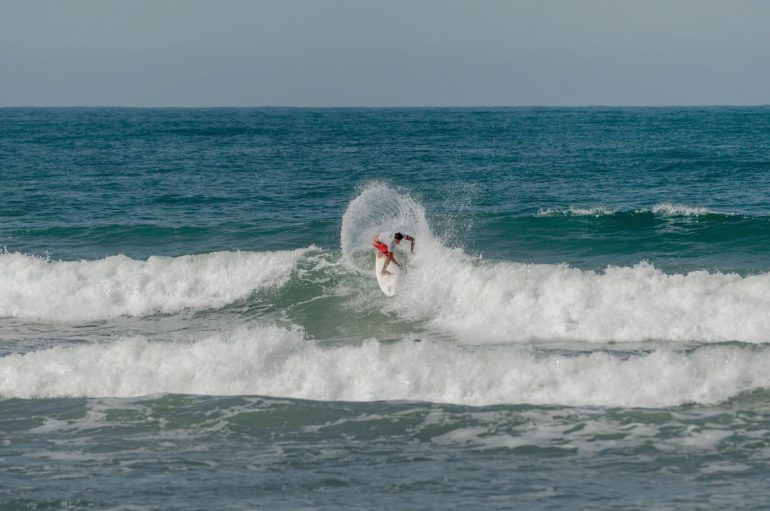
{"x": 388, "y": 283}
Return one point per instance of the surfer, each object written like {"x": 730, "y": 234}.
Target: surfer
{"x": 386, "y": 243}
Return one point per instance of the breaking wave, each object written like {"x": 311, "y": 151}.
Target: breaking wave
{"x": 36, "y": 288}
{"x": 276, "y": 361}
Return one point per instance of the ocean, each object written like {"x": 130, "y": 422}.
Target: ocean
{"x": 189, "y": 317}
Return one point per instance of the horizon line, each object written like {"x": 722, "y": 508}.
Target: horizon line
{"x": 387, "y": 107}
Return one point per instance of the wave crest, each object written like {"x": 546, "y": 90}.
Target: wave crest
{"x": 576, "y": 211}
{"x": 669, "y": 209}
{"x": 35, "y": 288}
{"x": 662, "y": 209}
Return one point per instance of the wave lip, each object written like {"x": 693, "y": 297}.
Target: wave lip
{"x": 57, "y": 291}
{"x": 281, "y": 362}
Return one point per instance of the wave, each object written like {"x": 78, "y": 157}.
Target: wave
{"x": 36, "y": 288}
{"x": 663, "y": 209}
{"x": 281, "y": 362}
{"x": 447, "y": 292}
{"x": 512, "y": 302}
{"x": 576, "y": 211}
{"x": 479, "y": 301}
{"x": 669, "y": 209}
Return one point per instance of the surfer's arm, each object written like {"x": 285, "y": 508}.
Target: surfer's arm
{"x": 411, "y": 240}
{"x": 392, "y": 257}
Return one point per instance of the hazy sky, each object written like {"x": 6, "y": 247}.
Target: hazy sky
{"x": 384, "y": 53}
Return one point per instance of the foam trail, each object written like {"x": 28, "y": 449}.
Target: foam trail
{"x": 274, "y": 361}
{"x": 34, "y": 288}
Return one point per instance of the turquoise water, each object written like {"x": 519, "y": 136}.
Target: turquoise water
{"x": 189, "y": 317}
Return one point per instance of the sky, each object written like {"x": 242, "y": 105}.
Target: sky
{"x": 156, "y": 53}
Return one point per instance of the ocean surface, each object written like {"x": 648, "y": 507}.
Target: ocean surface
{"x": 189, "y": 317}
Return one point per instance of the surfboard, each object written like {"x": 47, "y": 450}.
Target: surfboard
{"x": 388, "y": 283}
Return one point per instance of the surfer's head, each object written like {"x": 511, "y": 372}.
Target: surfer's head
{"x": 399, "y": 236}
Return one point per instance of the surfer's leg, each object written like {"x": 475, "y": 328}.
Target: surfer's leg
{"x": 385, "y": 266}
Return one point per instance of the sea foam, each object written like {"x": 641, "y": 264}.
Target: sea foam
{"x": 35, "y": 288}
{"x": 483, "y": 301}
{"x": 669, "y": 209}
{"x": 662, "y": 209}
{"x": 577, "y": 211}
{"x": 282, "y": 362}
